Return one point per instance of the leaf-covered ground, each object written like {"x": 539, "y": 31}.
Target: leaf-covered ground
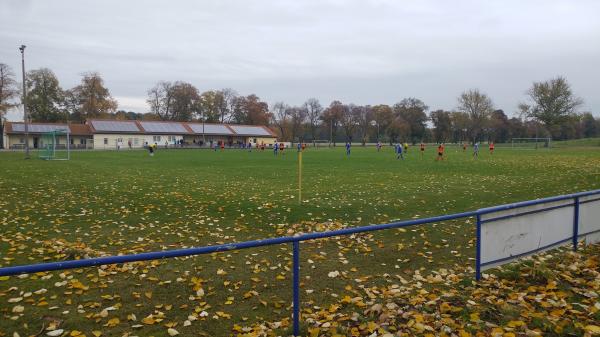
{"x": 411, "y": 281}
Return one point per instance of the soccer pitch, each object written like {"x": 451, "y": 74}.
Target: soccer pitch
{"x": 107, "y": 203}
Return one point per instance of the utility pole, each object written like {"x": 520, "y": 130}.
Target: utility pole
{"x": 330, "y": 133}
{"x": 203, "y": 137}
{"x": 25, "y": 116}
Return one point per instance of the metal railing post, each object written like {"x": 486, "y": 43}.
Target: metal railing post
{"x": 296, "y": 285}
{"x": 478, "y": 249}
{"x": 575, "y": 223}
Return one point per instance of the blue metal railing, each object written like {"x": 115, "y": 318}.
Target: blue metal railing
{"x": 295, "y": 240}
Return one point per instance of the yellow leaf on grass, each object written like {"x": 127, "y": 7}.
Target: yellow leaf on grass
{"x": 78, "y": 285}
{"x": 148, "y": 294}
{"x": 112, "y": 322}
{"x": 515, "y": 324}
{"x": 96, "y": 333}
{"x": 148, "y": 320}
{"x": 594, "y": 329}
{"x": 314, "y": 332}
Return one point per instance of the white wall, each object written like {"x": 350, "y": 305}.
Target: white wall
{"x": 110, "y": 141}
{"x": 589, "y": 218}
{"x": 510, "y": 238}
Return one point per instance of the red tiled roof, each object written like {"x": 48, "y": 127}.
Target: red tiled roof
{"x": 80, "y": 129}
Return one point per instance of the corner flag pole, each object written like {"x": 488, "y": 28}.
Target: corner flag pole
{"x": 300, "y": 176}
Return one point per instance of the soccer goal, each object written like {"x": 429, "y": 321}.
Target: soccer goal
{"x": 531, "y": 143}
{"x": 55, "y": 145}
{"x": 319, "y": 143}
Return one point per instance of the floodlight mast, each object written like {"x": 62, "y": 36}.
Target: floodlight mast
{"x": 25, "y": 116}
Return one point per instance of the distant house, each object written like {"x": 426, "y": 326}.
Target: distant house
{"x": 14, "y": 135}
{"x": 110, "y": 134}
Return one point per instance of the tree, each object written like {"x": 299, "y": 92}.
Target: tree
{"x": 251, "y": 110}
{"x": 460, "y": 125}
{"x": 313, "y": 110}
{"x": 45, "y": 98}
{"x": 552, "y": 103}
{"x": 174, "y": 101}
{"x": 499, "y": 127}
{"x": 209, "y": 104}
{"x": 8, "y": 91}
{"x": 398, "y": 130}
{"x": 185, "y": 101}
{"x": 442, "y": 124}
{"x": 331, "y": 118}
{"x": 297, "y": 118}
{"x": 517, "y": 128}
{"x": 348, "y": 120}
{"x": 590, "y": 126}
{"x": 226, "y": 100}
{"x": 364, "y": 116}
{"x": 128, "y": 115}
{"x": 91, "y": 99}
{"x": 479, "y": 107}
{"x": 281, "y": 119}
{"x": 383, "y": 116}
{"x": 412, "y": 111}
{"x": 159, "y": 98}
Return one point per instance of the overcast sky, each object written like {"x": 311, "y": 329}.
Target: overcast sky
{"x": 362, "y": 52}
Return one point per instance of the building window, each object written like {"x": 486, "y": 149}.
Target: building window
{"x": 71, "y": 140}
{"x": 81, "y": 141}
{"x": 254, "y": 140}
{"x": 22, "y": 140}
{"x": 136, "y": 141}
{"x": 105, "y": 141}
{"x": 156, "y": 138}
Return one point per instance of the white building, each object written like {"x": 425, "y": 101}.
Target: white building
{"x": 114, "y": 134}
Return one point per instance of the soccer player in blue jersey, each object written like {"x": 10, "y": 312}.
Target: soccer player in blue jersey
{"x": 348, "y": 148}
{"x": 476, "y": 150}
{"x": 275, "y": 148}
{"x": 399, "y": 151}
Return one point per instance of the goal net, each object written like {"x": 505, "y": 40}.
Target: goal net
{"x": 531, "y": 143}
{"x": 319, "y": 143}
{"x": 55, "y": 145}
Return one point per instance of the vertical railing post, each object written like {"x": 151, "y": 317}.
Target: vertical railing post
{"x": 296, "y": 285}
{"x": 575, "y": 223}
{"x": 478, "y": 249}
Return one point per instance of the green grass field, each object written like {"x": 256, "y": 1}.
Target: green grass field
{"x": 107, "y": 203}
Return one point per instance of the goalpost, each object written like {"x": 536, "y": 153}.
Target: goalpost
{"x": 51, "y": 148}
{"x": 319, "y": 143}
{"x": 531, "y": 143}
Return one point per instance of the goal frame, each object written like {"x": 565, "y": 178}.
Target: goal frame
{"x": 543, "y": 142}
{"x": 49, "y": 149}
{"x": 320, "y": 143}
